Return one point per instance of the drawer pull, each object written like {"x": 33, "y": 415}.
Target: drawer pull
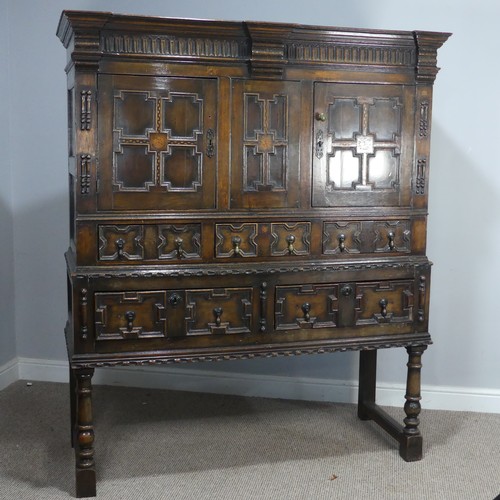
{"x": 236, "y": 240}
{"x": 178, "y": 245}
{"x": 130, "y": 317}
{"x": 346, "y": 290}
{"x": 321, "y": 117}
{"x": 218, "y": 313}
{"x": 341, "y": 242}
{"x": 306, "y": 309}
{"x": 391, "y": 241}
{"x": 383, "y": 307}
{"x": 290, "y": 239}
{"x": 120, "y": 243}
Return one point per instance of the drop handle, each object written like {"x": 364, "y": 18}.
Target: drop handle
{"x": 306, "y": 309}
{"x": 321, "y": 117}
{"x": 236, "y": 241}
{"x": 130, "y": 317}
{"x": 178, "y": 245}
{"x": 342, "y": 242}
{"x": 290, "y": 239}
{"x": 218, "y": 313}
{"x": 120, "y": 244}
{"x": 390, "y": 236}
{"x": 383, "y": 307}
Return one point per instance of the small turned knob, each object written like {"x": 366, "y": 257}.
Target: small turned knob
{"x": 321, "y": 117}
{"x": 290, "y": 239}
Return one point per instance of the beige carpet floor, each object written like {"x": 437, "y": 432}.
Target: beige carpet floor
{"x": 153, "y": 444}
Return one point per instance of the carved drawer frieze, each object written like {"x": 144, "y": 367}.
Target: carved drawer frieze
{"x": 130, "y": 315}
{"x": 290, "y": 238}
{"x": 306, "y": 306}
{"x": 121, "y": 242}
{"x": 177, "y": 242}
{"x": 219, "y": 311}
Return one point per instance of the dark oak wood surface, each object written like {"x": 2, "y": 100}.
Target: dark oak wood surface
{"x": 245, "y": 189}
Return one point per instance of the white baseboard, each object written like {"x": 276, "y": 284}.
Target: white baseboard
{"x": 9, "y": 373}
{"x": 272, "y": 386}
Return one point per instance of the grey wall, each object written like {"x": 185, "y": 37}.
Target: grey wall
{"x": 7, "y": 330}
{"x": 464, "y": 232}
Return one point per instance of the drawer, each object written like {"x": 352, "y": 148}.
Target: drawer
{"x": 136, "y": 315}
{"x": 354, "y": 237}
{"x": 276, "y": 239}
{"x": 162, "y": 243}
{"x": 313, "y": 306}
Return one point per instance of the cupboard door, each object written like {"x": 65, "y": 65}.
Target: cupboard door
{"x": 265, "y": 138}
{"x": 363, "y": 145}
{"x": 157, "y": 140}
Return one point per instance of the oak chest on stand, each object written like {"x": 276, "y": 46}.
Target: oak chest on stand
{"x": 245, "y": 189}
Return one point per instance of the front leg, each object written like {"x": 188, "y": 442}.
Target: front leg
{"x": 84, "y": 434}
{"x": 411, "y": 442}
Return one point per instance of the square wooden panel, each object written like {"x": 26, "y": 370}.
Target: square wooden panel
{"x": 219, "y": 311}
{"x": 157, "y": 143}
{"x": 306, "y": 306}
{"x": 130, "y": 315}
{"x": 290, "y": 238}
{"x": 363, "y": 145}
{"x": 179, "y": 241}
{"x": 236, "y": 240}
{"x": 384, "y": 302}
{"x": 121, "y": 243}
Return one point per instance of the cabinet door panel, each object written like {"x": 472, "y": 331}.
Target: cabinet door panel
{"x": 265, "y": 138}
{"x": 157, "y": 143}
{"x": 364, "y": 145}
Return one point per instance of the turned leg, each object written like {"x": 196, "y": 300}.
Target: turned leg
{"x": 367, "y": 382}
{"x": 72, "y": 400}
{"x": 411, "y": 443}
{"x": 84, "y": 435}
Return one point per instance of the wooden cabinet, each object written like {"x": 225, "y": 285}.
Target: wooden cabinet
{"x": 243, "y": 189}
